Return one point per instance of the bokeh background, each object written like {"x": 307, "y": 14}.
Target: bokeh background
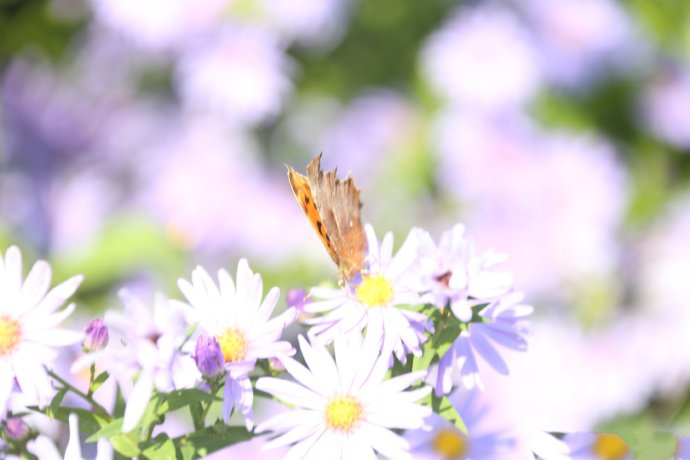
{"x": 138, "y": 139}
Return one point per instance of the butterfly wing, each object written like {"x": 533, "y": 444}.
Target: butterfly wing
{"x": 303, "y": 195}
{"x": 338, "y": 205}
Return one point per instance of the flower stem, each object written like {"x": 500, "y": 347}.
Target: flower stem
{"x": 88, "y": 398}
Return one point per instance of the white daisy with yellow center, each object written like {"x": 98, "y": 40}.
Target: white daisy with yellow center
{"x": 439, "y": 439}
{"x": 343, "y": 408}
{"x": 385, "y": 290}
{"x": 236, "y": 316}
{"x": 28, "y": 327}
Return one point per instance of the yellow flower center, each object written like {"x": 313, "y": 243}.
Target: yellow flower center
{"x": 234, "y": 345}
{"x": 374, "y": 291}
{"x": 450, "y": 444}
{"x": 609, "y": 447}
{"x": 343, "y": 413}
{"x": 10, "y": 334}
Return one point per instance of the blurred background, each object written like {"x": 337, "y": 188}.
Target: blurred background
{"x": 138, "y": 139}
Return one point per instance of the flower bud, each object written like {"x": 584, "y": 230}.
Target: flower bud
{"x": 208, "y": 357}
{"x": 96, "y": 335}
{"x": 297, "y": 298}
{"x": 16, "y": 429}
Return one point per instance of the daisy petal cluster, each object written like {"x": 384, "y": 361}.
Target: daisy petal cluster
{"x": 235, "y": 314}
{"x": 381, "y": 293}
{"x": 453, "y": 275}
{"x": 501, "y": 323}
{"x": 343, "y": 407}
{"x": 468, "y": 290}
{"x": 29, "y": 332}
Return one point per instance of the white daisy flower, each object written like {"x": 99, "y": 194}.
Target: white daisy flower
{"x": 387, "y": 284}
{"x": 28, "y": 327}
{"x": 342, "y": 408}
{"x": 503, "y": 322}
{"x": 148, "y": 349}
{"x": 235, "y": 315}
{"x": 452, "y": 274}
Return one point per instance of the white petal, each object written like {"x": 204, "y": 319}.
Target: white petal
{"x": 138, "y": 401}
{"x": 58, "y": 295}
{"x": 73, "y": 449}
{"x": 36, "y": 285}
{"x": 291, "y": 393}
{"x": 6, "y": 384}
{"x": 385, "y": 441}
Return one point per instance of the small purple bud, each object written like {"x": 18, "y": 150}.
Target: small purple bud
{"x": 16, "y": 429}
{"x": 276, "y": 365}
{"x": 208, "y": 357}
{"x": 96, "y": 335}
{"x": 297, "y": 298}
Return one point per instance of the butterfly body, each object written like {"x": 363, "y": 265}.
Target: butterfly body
{"x": 332, "y": 206}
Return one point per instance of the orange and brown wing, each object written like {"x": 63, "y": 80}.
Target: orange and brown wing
{"x": 303, "y": 195}
{"x": 338, "y": 204}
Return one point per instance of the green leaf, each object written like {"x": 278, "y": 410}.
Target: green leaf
{"x": 160, "y": 447}
{"x": 108, "y": 431}
{"x": 89, "y": 422}
{"x": 182, "y": 398}
{"x": 204, "y": 442}
{"x": 443, "y": 407}
{"x": 99, "y": 380}
{"x": 447, "y": 329}
{"x": 54, "y": 406}
{"x": 126, "y": 444}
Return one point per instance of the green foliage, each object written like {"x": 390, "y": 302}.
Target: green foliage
{"x": 31, "y": 25}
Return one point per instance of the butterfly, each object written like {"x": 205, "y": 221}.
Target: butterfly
{"x": 332, "y": 206}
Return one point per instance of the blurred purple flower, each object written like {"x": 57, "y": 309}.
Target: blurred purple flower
{"x": 240, "y": 73}
{"x": 195, "y": 181}
{"x": 523, "y": 189}
{"x": 597, "y": 446}
{"x": 441, "y": 440}
{"x": 314, "y": 23}
{"x": 371, "y": 127}
{"x": 579, "y": 39}
{"x": 159, "y": 24}
{"x": 482, "y": 58}
{"x": 666, "y": 106}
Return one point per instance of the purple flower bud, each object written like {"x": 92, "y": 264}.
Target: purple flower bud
{"x": 16, "y": 428}
{"x": 275, "y": 364}
{"x": 208, "y": 357}
{"x": 96, "y": 335}
{"x": 297, "y": 298}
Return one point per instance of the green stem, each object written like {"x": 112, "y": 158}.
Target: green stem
{"x": 97, "y": 407}
{"x": 92, "y": 374}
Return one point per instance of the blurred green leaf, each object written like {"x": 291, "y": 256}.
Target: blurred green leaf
{"x": 161, "y": 447}
{"x": 182, "y": 398}
{"x": 202, "y": 443}
{"x": 443, "y": 407}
